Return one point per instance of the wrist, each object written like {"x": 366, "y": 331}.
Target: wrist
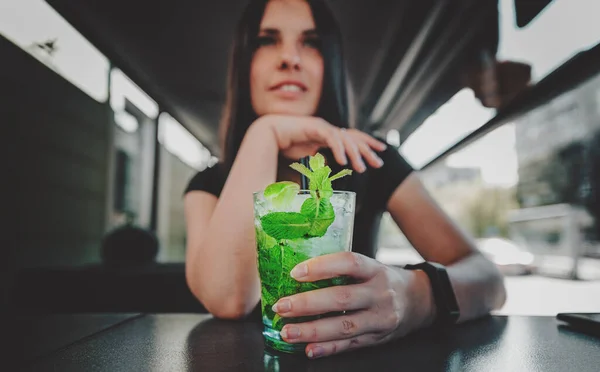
{"x": 261, "y": 138}
{"x": 259, "y": 131}
{"x": 422, "y": 300}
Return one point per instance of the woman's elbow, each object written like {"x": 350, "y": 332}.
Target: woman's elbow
{"x": 231, "y": 307}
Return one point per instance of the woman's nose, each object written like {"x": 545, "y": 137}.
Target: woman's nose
{"x": 290, "y": 58}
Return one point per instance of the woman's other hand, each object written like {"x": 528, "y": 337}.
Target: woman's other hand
{"x": 381, "y": 307}
{"x": 300, "y": 136}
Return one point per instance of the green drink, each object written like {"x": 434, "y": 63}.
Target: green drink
{"x": 293, "y": 225}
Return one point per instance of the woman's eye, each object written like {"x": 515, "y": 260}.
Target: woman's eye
{"x": 265, "y": 40}
{"x": 313, "y": 43}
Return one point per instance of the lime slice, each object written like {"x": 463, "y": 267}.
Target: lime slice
{"x": 281, "y": 194}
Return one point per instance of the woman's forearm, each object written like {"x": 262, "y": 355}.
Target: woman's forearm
{"x": 478, "y": 286}
{"x": 223, "y": 269}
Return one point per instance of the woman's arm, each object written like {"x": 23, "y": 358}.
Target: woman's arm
{"x": 477, "y": 283}
{"x": 221, "y": 266}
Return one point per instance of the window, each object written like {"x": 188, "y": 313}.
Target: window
{"x": 561, "y": 30}
{"x": 122, "y": 182}
{"x": 461, "y": 115}
{"x": 178, "y": 141}
{"x": 122, "y": 89}
{"x": 38, "y": 29}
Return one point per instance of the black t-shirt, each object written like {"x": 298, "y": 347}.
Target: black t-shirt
{"x": 373, "y": 189}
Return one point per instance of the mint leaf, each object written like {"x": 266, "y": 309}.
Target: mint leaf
{"x": 290, "y": 257}
{"x": 302, "y": 169}
{"x": 269, "y": 268}
{"x": 321, "y": 214}
{"x": 277, "y": 322}
{"x": 320, "y": 178}
{"x": 340, "y": 174}
{"x": 268, "y": 299}
{"x": 320, "y": 185}
{"x": 264, "y": 241}
{"x": 316, "y": 162}
{"x": 281, "y": 194}
{"x": 285, "y": 225}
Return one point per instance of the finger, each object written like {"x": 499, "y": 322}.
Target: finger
{"x": 336, "y": 264}
{"x": 321, "y": 134}
{"x": 372, "y": 142}
{"x": 336, "y": 143}
{"x": 329, "y": 329}
{"x": 372, "y": 158}
{"x": 322, "y": 349}
{"x": 353, "y": 152}
{"x": 325, "y": 300}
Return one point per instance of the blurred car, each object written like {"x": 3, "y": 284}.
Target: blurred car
{"x": 510, "y": 258}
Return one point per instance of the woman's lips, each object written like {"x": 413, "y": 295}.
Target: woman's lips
{"x": 289, "y": 90}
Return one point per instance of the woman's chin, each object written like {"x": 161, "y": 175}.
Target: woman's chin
{"x": 295, "y": 110}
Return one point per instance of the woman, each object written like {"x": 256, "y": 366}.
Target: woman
{"x": 287, "y": 99}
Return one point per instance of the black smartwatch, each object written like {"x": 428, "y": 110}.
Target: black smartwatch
{"x": 447, "y": 311}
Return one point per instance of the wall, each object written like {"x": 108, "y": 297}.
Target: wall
{"x": 174, "y": 177}
{"x": 58, "y": 153}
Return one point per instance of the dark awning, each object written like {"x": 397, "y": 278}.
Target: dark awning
{"x": 177, "y": 52}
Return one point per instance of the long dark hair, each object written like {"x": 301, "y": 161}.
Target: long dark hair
{"x": 239, "y": 114}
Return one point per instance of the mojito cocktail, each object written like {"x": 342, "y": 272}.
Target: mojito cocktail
{"x": 293, "y": 225}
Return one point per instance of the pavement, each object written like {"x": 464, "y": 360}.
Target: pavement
{"x": 546, "y": 294}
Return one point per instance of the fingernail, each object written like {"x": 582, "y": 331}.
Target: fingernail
{"x": 290, "y": 333}
{"x": 299, "y": 271}
{"x": 316, "y": 352}
{"x": 380, "y": 162}
{"x": 282, "y": 306}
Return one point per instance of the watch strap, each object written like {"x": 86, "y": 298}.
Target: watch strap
{"x": 447, "y": 311}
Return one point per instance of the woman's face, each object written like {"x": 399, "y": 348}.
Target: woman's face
{"x": 286, "y": 74}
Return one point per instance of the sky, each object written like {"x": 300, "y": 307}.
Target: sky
{"x": 564, "y": 27}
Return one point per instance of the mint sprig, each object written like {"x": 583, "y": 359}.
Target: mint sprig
{"x": 316, "y": 213}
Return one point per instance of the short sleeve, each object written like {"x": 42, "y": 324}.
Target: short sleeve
{"x": 209, "y": 180}
{"x": 384, "y": 181}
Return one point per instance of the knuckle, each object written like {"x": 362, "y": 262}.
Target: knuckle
{"x": 312, "y": 131}
{"x": 354, "y": 343}
{"x": 343, "y": 297}
{"x": 314, "y": 333}
{"x": 348, "y": 328}
{"x": 393, "y": 319}
{"x": 377, "y": 337}
{"x": 334, "y": 348}
{"x": 355, "y": 261}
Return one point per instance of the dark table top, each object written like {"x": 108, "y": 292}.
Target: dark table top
{"x": 35, "y": 336}
{"x": 186, "y": 342}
